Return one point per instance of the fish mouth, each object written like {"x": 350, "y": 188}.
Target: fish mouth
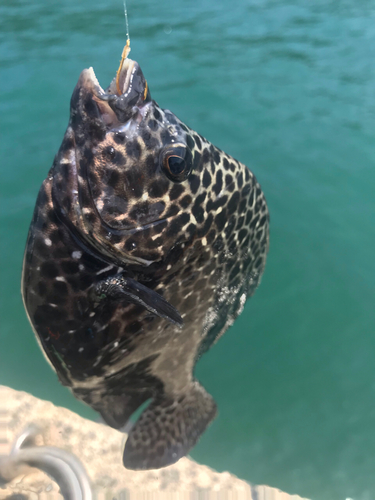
{"x": 127, "y": 92}
{"x": 90, "y": 81}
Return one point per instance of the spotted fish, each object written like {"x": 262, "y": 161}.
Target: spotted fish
{"x": 145, "y": 243}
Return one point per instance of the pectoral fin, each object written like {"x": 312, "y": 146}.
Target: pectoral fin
{"x": 120, "y": 288}
{"x": 168, "y": 429}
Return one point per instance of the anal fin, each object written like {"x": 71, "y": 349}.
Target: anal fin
{"x": 168, "y": 429}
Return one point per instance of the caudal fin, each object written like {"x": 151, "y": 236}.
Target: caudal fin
{"x": 168, "y": 429}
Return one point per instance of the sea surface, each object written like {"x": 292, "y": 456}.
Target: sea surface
{"x": 287, "y": 87}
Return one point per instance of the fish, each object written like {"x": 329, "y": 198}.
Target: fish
{"x": 145, "y": 243}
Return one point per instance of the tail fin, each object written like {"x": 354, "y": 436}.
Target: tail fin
{"x": 168, "y": 429}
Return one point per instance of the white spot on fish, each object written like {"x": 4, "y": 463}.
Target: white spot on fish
{"x": 169, "y": 267}
{"x": 108, "y": 268}
{"x": 115, "y": 344}
{"x": 145, "y": 196}
{"x": 204, "y": 241}
{"x": 60, "y": 278}
{"x": 92, "y": 314}
{"x": 77, "y": 254}
{"x": 52, "y": 305}
{"x": 81, "y": 349}
{"x": 98, "y": 359}
{"x": 71, "y": 331}
{"x": 81, "y": 267}
{"x": 48, "y": 242}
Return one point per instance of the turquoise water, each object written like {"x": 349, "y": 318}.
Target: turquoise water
{"x": 288, "y": 88}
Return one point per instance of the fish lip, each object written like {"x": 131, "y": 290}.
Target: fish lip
{"x": 123, "y": 78}
{"x": 90, "y": 84}
{"x": 87, "y": 80}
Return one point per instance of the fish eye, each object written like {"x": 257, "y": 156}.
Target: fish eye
{"x": 177, "y": 163}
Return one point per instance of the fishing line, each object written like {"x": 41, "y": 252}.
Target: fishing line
{"x": 126, "y": 24}
{"x": 126, "y": 50}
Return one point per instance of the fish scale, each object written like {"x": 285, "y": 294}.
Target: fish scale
{"x": 145, "y": 243}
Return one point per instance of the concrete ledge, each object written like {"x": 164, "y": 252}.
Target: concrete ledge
{"x": 100, "y": 450}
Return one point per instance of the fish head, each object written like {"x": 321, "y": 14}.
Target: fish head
{"x": 136, "y": 168}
